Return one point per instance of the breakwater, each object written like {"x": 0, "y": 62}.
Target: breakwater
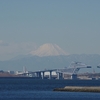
{"x": 79, "y": 89}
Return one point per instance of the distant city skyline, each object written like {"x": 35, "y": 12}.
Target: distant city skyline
{"x": 27, "y": 24}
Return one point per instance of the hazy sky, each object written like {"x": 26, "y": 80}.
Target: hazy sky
{"x": 74, "y": 25}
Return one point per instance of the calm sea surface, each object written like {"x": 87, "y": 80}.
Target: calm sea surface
{"x": 38, "y": 89}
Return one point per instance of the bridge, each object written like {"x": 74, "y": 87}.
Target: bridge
{"x": 72, "y": 70}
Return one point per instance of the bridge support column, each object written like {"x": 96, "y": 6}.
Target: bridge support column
{"x": 43, "y": 75}
{"x": 74, "y": 76}
{"x": 50, "y": 76}
{"x": 38, "y": 74}
{"x": 59, "y": 75}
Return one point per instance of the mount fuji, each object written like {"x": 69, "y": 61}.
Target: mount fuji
{"x": 48, "y": 50}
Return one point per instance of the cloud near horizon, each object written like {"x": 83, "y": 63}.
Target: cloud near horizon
{"x": 2, "y": 43}
{"x": 9, "y": 50}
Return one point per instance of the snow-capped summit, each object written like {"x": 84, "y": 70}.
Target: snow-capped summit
{"x": 48, "y": 49}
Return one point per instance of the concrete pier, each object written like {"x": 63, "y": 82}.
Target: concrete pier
{"x": 79, "y": 89}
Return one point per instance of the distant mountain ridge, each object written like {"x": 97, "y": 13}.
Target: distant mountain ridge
{"x": 33, "y": 63}
{"x": 49, "y": 56}
{"x": 48, "y": 49}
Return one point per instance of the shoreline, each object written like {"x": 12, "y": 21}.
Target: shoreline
{"x": 79, "y": 89}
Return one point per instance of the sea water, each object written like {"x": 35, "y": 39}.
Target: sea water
{"x": 38, "y": 89}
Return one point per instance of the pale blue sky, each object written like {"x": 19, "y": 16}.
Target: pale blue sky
{"x": 74, "y": 25}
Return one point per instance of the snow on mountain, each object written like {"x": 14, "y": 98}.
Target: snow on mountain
{"x": 48, "y": 50}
